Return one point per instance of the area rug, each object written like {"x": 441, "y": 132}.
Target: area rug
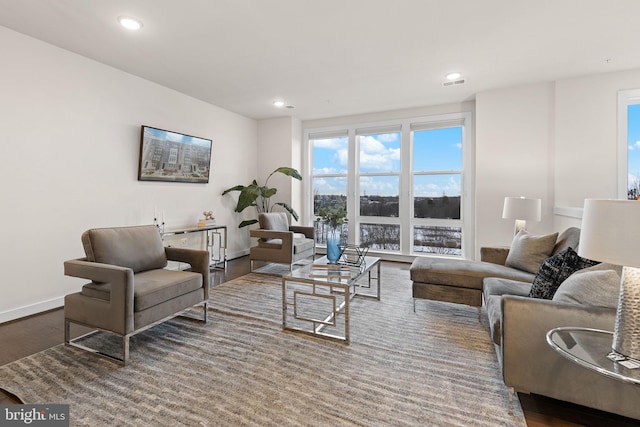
{"x": 434, "y": 367}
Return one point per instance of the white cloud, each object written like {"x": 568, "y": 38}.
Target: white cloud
{"x": 389, "y": 137}
{"x": 376, "y": 156}
{"x": 331, "y": 143}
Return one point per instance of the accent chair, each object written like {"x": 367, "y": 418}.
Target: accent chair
{"x": 279, "y": 242}
{"x": 130, "y": 290}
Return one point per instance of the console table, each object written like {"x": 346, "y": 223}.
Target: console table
{"x": 215, "y": 234}
{"x": 589, "y": 348}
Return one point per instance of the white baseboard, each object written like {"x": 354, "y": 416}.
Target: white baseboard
{"x": 28, "y": 310}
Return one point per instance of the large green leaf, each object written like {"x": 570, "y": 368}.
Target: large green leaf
{"x": 268, "y": 192}
{"x": 248, "y": 197}
{"x": 247, "y": 222}
{"x": 289, "y": 172}
{"x": 236, "y": 188}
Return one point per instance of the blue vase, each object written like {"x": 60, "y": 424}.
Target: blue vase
{"x": 333, "y": 246}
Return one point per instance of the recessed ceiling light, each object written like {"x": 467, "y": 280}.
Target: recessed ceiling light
{"x": 130, "y": 23}
{"x": 278, "y": 104}
{"x": 453, "y": 76}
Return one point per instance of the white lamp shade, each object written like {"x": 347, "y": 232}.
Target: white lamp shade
{"x": 522, "y": 208}
{"x": 610, "y": 231}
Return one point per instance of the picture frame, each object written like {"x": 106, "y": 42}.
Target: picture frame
{"x": 170, "y": 156}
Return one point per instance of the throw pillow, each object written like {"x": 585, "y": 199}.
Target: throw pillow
{"x": 528, "y": 251}
{"x": 554, "y": 270}
{"x": 599, "y": 288}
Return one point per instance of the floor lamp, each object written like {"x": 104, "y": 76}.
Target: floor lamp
{"x": 610, "y": 234}
{"x": 522, "y": 209}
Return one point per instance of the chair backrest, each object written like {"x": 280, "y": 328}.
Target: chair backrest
{"x": 138, "y": 248}
{"x": 273, "y": 221}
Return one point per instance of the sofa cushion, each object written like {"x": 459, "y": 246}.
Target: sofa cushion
{"x": 151, "y": 287}
{"x": 302, "y": 245}
{"x": 598, "y": 288}
{"x": 569, "y": 238}
{"x": 138, "y": 248}
{"x": 461, "y": 273}
{"x": 528, "y": 251}
{"x": 493, "y": 288}
{"x": 554, "y": 270}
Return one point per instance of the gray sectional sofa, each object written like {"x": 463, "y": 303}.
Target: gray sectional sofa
{"x": 460, "y": 281}
{"x": 518, "y": 324}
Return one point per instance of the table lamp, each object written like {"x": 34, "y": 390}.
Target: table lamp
{"x": 610, "y": 234}
{"x": 522, "y": 209}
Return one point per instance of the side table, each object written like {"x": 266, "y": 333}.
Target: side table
{"x": 589, "y": 348}
{"x": 216, "y": 242}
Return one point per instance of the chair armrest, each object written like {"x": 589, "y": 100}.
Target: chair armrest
{"x": 528, "y": 362}
{"x": 309, "y": 232}
{"x": 120, "y": 278}
{"x": 286, "y": 236}
{"x": 198, "y": 259}
{"x": 494, "y": 254}
{"x": 97, "y": 272}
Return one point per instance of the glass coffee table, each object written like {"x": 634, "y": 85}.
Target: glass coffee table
{"x": 315, "y": 298}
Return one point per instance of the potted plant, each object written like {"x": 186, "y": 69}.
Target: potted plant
{"x": 334, "y": 216}
{"x": 259, "y": 196}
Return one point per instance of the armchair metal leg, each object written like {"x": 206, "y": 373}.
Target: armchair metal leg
{"x": 67, "y": 331}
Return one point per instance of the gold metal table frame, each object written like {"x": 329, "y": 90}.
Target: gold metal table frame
{"x": 334, "y": 286}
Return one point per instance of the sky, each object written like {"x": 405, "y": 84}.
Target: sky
{"x": 434, "y": 150}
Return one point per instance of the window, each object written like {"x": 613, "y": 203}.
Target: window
{"x": 403, "y": 183}
{"x": 629, "y": 144}
{"x": 437, "y": 185}
{"x": 329, "y": 176}
{"x": 379, "y": 188}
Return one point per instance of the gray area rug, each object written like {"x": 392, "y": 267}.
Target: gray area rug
{"x": 435, "y": 367}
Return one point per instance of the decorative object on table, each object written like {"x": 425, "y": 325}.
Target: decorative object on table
{"x": 260, "y": 196}
{"x": 610, "y": 234}
{"x": 353, "y": 254}
{"x": 522, "y": 209}
{"x": 157, "y": 223}
{"x": 334, "y": 216}
{"x": 172, "y": 156}
{"x": 208, "y": 219}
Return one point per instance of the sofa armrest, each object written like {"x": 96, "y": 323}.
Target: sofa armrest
{"x": 285, "y": 236}
{"x": 198, "y": 259}
{"x": 117, "y": 313}
{"x": 494, "y": 254}
{"x": 309, "y": 232}
{"x": 530, "y": 365}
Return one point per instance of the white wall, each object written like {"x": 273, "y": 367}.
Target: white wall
{"x": 514, "y": 157}
{"x": 586, "y": 138}
{"x": 279, "y": 144}
{"x": 70, "y": 144}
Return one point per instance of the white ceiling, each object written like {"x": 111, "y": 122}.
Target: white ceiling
{"x": 339, "y": 57}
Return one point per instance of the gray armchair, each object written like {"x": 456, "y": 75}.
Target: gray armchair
{"x": 130, "y": 290}
{"x": 278, "y": 242}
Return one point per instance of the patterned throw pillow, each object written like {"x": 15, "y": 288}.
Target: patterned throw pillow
{"x": 554, "y": 270}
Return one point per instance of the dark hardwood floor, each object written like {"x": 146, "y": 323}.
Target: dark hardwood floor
{"x": 26, "y": 336}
